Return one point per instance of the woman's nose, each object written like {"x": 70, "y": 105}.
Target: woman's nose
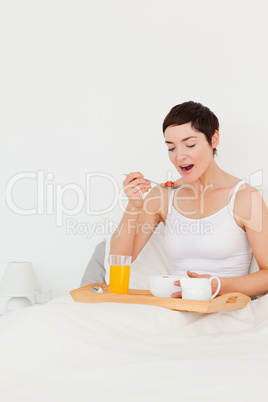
{"x": 181, "y": 156}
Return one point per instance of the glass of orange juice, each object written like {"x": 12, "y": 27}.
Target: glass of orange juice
{"x": 119, "y": 273}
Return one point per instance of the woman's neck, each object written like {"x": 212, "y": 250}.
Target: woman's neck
{"x": 212, "y": 178}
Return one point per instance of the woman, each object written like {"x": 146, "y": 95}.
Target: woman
{"x": 213, "y": 223}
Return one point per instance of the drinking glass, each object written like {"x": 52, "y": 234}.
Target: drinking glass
{"x": 119, "y": 273}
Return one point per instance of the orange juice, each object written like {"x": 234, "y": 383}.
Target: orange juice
{"x": 119, "y": 278}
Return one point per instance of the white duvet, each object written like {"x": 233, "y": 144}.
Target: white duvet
{"x": 67, "y": 351}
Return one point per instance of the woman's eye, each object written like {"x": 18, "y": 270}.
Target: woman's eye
{"x": 171, "y": 149}
{"x": 190, "y": 146}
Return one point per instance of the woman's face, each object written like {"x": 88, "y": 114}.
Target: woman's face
{"x": 189, "y": 150}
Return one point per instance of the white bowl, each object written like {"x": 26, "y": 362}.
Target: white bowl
{"x": 163, "y": 285}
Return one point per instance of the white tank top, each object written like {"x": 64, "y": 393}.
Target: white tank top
{"x": 213, "y": 245}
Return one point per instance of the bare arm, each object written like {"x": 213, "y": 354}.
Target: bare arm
{"x": 123, "y": 238}
{"x": 139, "y": 220}
{"x": 255, "y": 219}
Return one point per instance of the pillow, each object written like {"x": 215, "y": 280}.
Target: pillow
{"x": 152, "y": 260}
{"x": 95, "y": 271}
{"x": 253, "y": 265}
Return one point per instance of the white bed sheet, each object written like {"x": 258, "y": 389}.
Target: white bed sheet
{"x": 67, "y": 351}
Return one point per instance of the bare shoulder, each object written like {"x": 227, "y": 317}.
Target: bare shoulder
{"x": 246, "y": 194}
{"x": 249, "y": 205}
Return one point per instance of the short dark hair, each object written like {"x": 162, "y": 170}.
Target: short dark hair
{"x": 200, "y": 117}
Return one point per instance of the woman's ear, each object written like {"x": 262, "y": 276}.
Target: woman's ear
{"x": 215, "y": 139}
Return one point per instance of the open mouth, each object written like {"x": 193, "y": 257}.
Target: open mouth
{"x": 186, "y": 168}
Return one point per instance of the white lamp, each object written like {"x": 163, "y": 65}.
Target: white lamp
{"x": 19, "y": 281}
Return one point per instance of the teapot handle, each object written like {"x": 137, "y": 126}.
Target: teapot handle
{"x": 218, "y": 288}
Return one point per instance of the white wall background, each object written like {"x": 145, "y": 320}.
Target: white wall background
{"x": 84, "y": 88}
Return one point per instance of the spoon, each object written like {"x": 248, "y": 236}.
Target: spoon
{"x": 161, "y": 185}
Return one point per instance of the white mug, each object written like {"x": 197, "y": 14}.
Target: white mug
{"x": 199, "y": 288}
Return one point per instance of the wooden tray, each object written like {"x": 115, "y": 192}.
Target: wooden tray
{"x": 228, "y": 301}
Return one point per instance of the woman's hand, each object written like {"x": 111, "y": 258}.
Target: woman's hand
{"x": 134, "y": 188}
{"x": 214, "y": 283}
{"x": 177, "y": 294}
